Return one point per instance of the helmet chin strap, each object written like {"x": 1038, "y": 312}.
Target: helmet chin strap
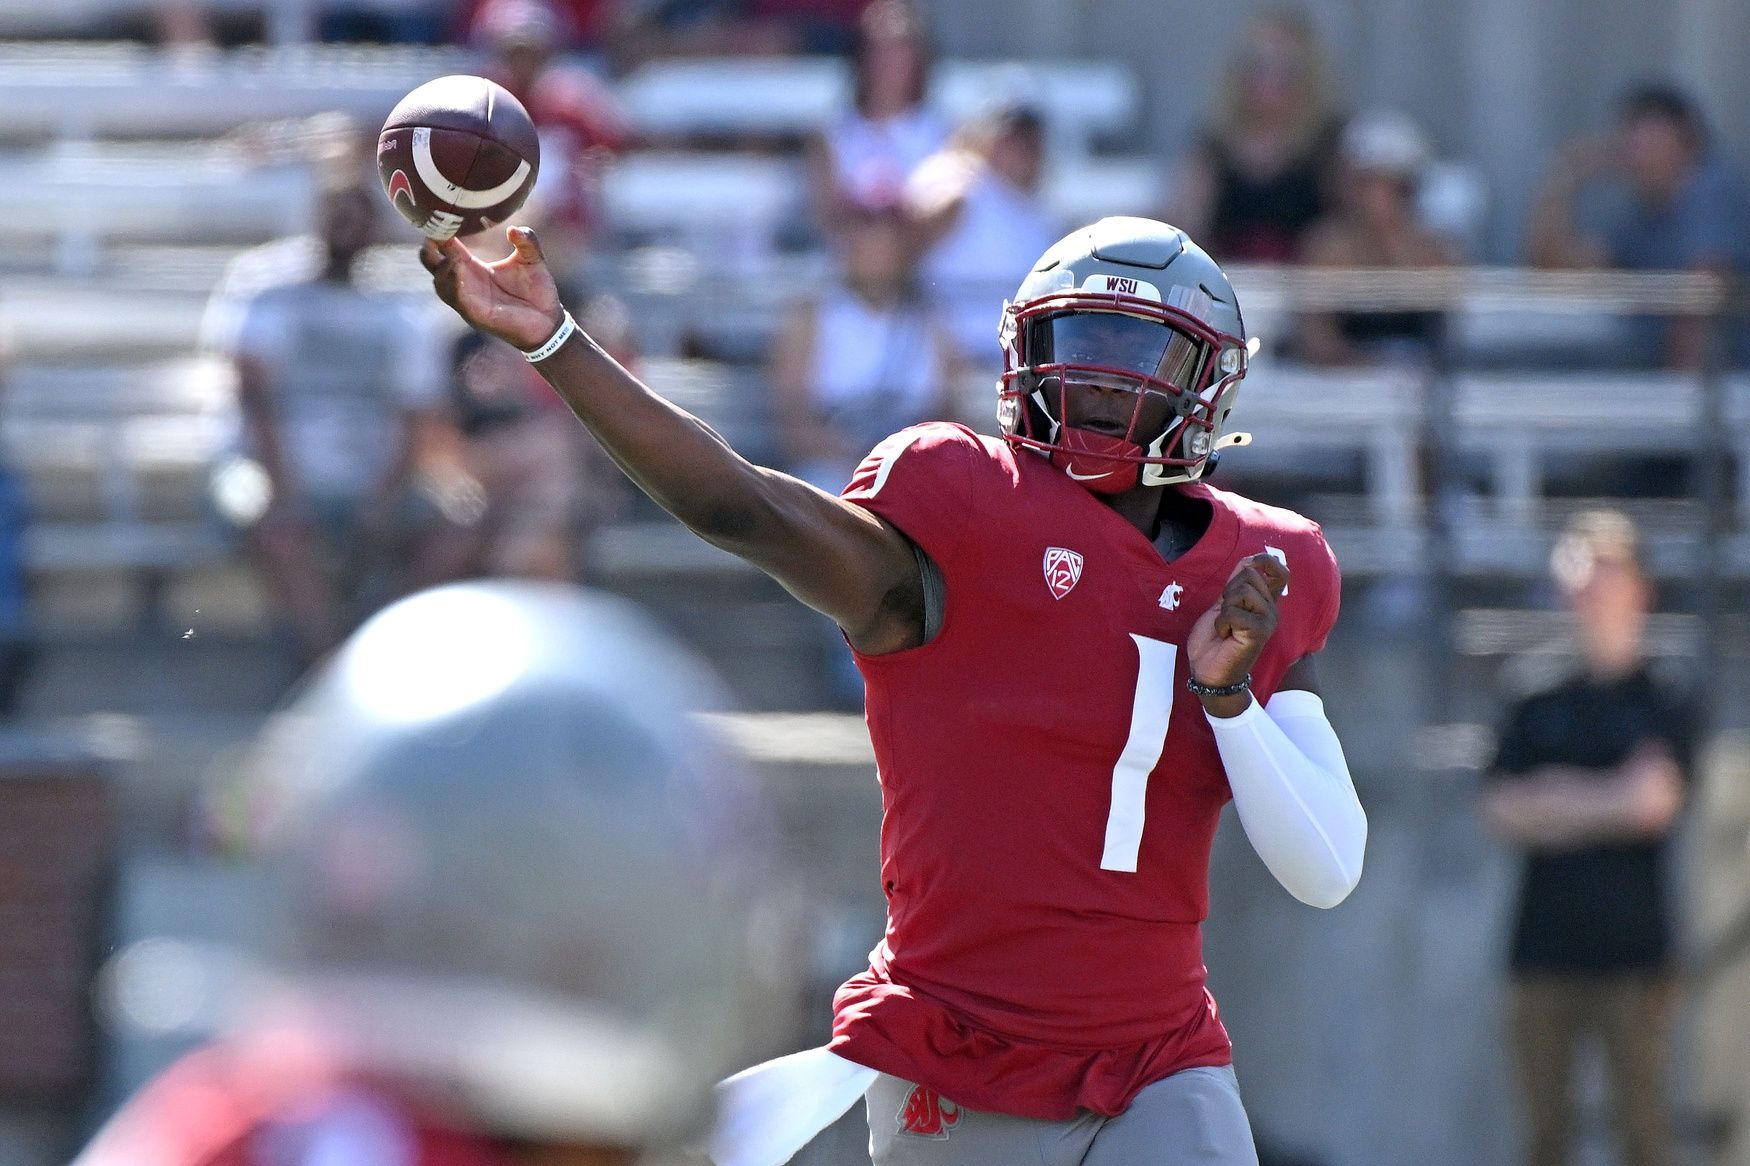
{"x": 1094, "y": 460}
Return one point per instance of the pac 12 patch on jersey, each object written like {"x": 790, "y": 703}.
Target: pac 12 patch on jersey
{"x": 1063, "y": 570}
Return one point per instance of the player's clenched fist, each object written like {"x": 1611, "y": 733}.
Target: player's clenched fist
{"x": 1227, "y": 638}
{"x": 513, "y": 299}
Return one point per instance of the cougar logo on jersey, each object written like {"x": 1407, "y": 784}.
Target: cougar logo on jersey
{"x": 1063, "y": 570}
{"x": 927, "y": 1114}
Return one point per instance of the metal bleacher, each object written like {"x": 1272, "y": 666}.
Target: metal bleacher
{"x": 1517, "y": 420}
{"x": 284, "y": 21}
{"x": 1522, "y": 400}
{"x": 115, "y": 455}
{"x": 81, "y": 90}
{"x": 1520, "y": 424}
{"x": 77, "y": 91}
{"x": 76, "y": 199}
{"x": 1084, "y": 100}
{"x": 53, "y": 317}
{"x": 1299, "y": 417}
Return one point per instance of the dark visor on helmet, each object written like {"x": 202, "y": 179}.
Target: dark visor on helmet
{"x": 1113, "y": 340}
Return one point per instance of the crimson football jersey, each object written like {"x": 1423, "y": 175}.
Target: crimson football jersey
{"x": 1050, "y": 790}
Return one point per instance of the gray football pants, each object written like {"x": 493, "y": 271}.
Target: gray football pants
{"x": 1193, "y": 1118}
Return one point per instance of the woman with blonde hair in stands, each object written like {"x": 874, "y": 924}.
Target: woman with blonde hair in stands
{"x": 1256, "y": 180}
{"x": 864, "y": 156}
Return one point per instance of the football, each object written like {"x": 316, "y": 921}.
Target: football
{"x": 458, "y": 155}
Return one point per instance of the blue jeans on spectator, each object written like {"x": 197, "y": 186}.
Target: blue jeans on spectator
{"x": 15, "y": 652}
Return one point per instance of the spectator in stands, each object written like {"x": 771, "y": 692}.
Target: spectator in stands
{"x": 1652, "y": 194}
{"x": 1374, "y": 224}
{"x": 581, "y": 124}
{"x": 528, "y": 484}
{"x": 866, "y": 155}
{"x": 1588, "y": 782}
{"x": 16, "y": 651}
{"x": 863, "y": 360}
{"x": 382, "y": 21}
{"x": 182, "y": 26}
{"x": 588, "y": 25}
{"x": 669, "y": 28}
{"x": 814, "y": 26}
{"x": 340, "y": 396}
{"x": 867, "y": 358}
{"x": 187, "y": 25}
{"x": 1257, "y": 178}
{"x": 977, "y": 207}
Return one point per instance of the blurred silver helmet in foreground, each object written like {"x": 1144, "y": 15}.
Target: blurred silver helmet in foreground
{"x": 508, "y": 864}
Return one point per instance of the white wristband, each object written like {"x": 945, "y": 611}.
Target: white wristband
{"x": 554, "y": 343}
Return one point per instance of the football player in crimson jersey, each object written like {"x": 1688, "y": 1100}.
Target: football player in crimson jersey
{"x": 1075, "y": 652}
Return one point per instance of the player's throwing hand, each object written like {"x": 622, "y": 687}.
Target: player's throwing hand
{"x": 514, "y": 299}
{"x": 1226, "y": 640}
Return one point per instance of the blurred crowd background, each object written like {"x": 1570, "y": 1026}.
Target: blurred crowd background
{"x": 1494, "y": 254}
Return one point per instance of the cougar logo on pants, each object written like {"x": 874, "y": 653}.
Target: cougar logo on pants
{"x": 927, "y": 1114}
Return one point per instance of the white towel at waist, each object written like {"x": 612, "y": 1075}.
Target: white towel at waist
{"x": 767, "y": 1113}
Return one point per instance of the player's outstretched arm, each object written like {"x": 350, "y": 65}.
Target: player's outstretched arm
{"x": 838, "y": 558}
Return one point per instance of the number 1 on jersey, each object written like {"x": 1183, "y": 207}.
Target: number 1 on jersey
{"x": 1149, "y": 715}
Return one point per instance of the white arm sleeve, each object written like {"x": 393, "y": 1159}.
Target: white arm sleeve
{"x": 1292, "y": 790}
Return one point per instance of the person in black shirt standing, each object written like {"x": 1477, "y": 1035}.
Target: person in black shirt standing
{"x": 1588, "y": 781}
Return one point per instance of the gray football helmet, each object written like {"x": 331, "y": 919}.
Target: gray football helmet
{"x": 510, "y": 865}
{"x": 1127, "y": 303}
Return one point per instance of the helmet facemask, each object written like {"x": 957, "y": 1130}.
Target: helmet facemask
{"x": 1179, "y": 374}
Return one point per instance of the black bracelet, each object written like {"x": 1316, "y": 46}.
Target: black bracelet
{"x": 1244, "y": 684}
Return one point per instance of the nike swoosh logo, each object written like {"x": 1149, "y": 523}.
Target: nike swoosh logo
{"x": 1087, "y": 477}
